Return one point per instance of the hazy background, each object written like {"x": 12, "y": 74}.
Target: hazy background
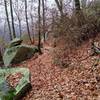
{"x": 3, "y": 23}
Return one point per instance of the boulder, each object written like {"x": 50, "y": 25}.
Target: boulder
{"x": 15, "y": 42}
{"x": 8, "y": 92}
{"x": 19, "y": 53}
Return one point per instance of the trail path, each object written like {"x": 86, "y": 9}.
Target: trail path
{"x": 80, "y": 81}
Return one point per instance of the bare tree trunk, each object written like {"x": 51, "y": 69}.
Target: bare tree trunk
{"x": 79, "y": 14}
{"x": 28, "y": 30}
{"x": 19, "y": 23}
{"x": 77, "y": 5}
{"x": 7, "y": 17}
{"x": 84, "y": 3}
{"x": 16, "y": 10}
{"x": 20, "y": 27}
{"x": 53, "y": 22}
{"x": 39, "y": 32}
{"x": 60, "y": 6}
{"x": 12, "y": 17}
{"x": 32, "y": 24}
{"x": 43, "y": 8}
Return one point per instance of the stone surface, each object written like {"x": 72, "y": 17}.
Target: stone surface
{"x": 15, "y": 42}
{"x": 20, "y": 90}
{"x": 18, "y": 54}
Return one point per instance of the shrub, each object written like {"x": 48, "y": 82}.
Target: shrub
{"x": 68, "y": 35}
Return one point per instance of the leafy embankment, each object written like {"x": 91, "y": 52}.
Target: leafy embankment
{"x": 81, "y": 80}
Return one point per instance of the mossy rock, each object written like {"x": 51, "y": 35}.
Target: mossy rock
{"x": 18, "y": 54}
{"x": 15, "y": 42}
{"x": 9, "y": 93}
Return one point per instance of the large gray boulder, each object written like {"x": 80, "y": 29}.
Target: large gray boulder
{"x": 15, "y": 42}
{"x": 17, "y": 52}
{"x": 8, "y": 92}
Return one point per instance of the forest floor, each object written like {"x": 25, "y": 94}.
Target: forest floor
{"x": 79, "y": 81}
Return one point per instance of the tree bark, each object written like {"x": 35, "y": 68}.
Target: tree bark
{"x": 77, "y": 5}
{"x": 84, "y": 3}
{"x": 12, "y": 17}
{"x": 60, "y": 6}
{"x": 28, "y": 30}
{"x": 80, "y": 19}
{"x": 32, "y": 23}
{"x": 32, "y": 26}
{"x": 16, "y": 10}
{"x": 39, "y": 27}
{"x": 7, "y": 17}
{"x": 20, "y": 27}
{"x": 43, "y": 8}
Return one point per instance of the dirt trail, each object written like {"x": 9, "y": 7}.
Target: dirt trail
{"x": 80, "y": 81}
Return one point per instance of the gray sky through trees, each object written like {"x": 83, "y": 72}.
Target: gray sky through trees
{"x": 50, "y": 4}
{"x": 3, "y": 22}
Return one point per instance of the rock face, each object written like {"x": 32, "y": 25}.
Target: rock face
{"x": 8, "y": 92}
{"x": 15, "y": 42}
{"x": 17, "y": 52}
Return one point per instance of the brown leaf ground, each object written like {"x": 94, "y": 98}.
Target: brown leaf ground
{"x": 79, "y": 81}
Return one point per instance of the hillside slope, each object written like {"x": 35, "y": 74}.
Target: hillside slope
{"x": 79, "y": 81}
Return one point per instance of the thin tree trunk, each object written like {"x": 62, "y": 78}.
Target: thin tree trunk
{"x": 52, "y": 22}
{"x": 12, "y": 17}
{"x": 43, "y": 8}
{"x": 80, "y": 19}
{"x": 77, "y": 5}
{"x": 84, "y": 3}
{"x": 39, "y": 32}
{"x": 32, "y": 26}
{"x": 20, "y": 27}
{"x": 7, "y": 17}
{"x": 16, "y": 10}
{"x": 60, "y": 6}
{"x": 28, "y": 30}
